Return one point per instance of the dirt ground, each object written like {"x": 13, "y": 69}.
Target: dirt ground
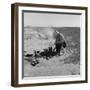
{"x": 52, "y": 67}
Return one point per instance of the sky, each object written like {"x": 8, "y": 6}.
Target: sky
{"x": 45, "y": 19}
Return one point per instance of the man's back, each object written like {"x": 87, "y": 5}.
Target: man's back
{"x": 59, "y": 38}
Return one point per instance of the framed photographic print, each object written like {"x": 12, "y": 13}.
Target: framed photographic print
{"x": 48, "y": 44}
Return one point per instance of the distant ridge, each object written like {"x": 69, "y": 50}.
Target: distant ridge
{"x": 27, "y": 27}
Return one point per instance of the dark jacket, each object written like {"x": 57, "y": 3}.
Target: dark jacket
{"x": 59, "y": 39}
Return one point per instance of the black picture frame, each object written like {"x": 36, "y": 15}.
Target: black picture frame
{"x": 15, "y": 42}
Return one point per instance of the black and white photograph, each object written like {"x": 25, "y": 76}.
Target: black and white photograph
{"x": 51, "y": 44}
